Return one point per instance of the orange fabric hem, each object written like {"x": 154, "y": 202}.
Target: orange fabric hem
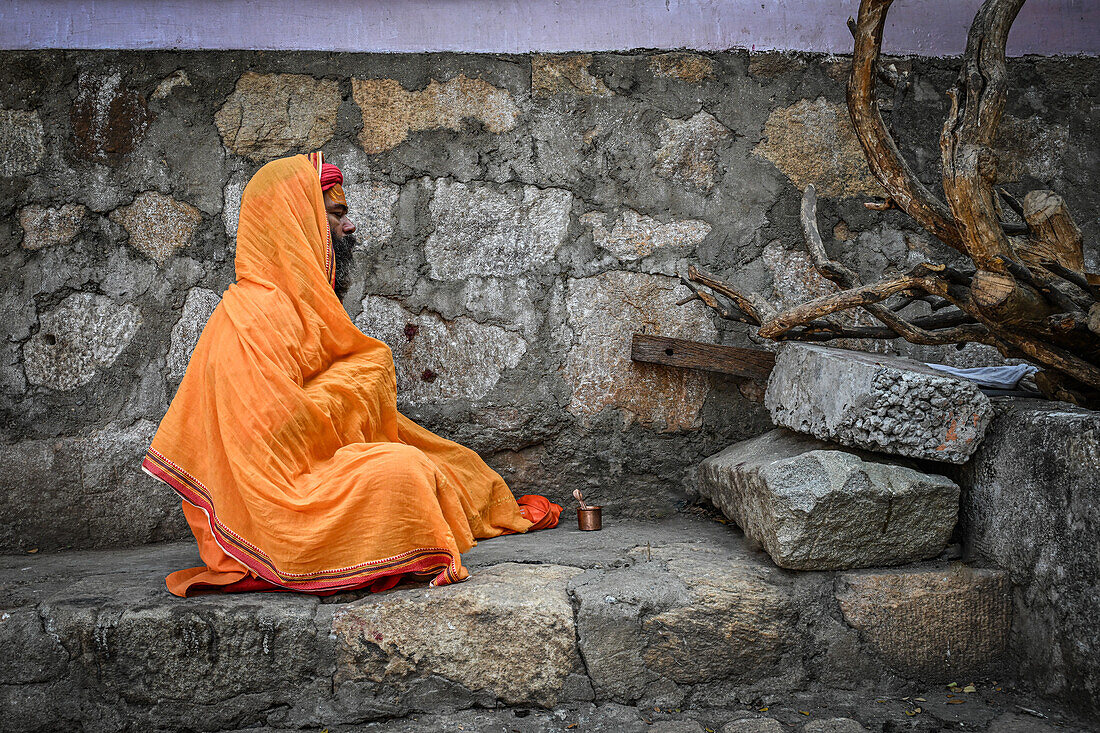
{"x": 420, "y": 561}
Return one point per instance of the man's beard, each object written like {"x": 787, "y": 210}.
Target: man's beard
{"x": 342, "y": 248}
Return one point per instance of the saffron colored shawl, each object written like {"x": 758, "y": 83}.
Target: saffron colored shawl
{"x": 284, "y": 440}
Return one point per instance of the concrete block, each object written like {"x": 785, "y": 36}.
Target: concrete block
{"x": 931, "y": 624}
{"x": 878, "y": 402}
{"x": 813, "y": 506}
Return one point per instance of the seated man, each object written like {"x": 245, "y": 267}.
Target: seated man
{"x": 296, "y": 469}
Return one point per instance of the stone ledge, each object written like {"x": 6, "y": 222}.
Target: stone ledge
{"x": 674, "y": 614}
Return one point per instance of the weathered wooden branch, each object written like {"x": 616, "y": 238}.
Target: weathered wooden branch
{"x": 883, "y": 157}
{"x": 1026, "y": 293}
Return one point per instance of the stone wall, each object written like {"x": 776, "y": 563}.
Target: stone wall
{"x": 1030, "y": 504}
{"x": 519, "y": 217}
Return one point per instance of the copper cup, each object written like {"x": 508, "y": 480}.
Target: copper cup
{"x": 590, "y": 518}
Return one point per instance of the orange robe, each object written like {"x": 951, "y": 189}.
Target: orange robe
{"x": 284, "y": 439}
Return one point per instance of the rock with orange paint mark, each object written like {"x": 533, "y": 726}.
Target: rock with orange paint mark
{"x": 877, "y": 402}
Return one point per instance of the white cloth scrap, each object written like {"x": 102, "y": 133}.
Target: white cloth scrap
{"x": 996, "y": 377}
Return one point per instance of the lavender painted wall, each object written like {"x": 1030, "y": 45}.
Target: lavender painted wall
{"x": 922, "y": 27}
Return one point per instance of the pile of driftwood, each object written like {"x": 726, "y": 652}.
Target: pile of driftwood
{"x": 1025, "y": 290}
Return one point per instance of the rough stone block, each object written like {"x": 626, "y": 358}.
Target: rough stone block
{"x": 552, "y": 75}
{"x": 483, "y": 230}
{"x": 1030, "y": 504}
{"x": 694, "y": 618}
{"x": 931, "y": 623}
{"x": 390, "y": 112}
{"x": 83, "y": 334}
{"x": 814, "y": 142}
{"x": 632, "y": 237}
{"x": 45, "y": 226}
{"x": 197, "y": 309}
{"x": 690, "y": 67}
{"x": 815, "y": 507}
{"x": 21, "y": 148}
{"x": 84, "y": 492}
{"x": 603, "y": 312}
{"x": 878, "y": 402}
{"x": 158, "y": 225}
{"x": 689, "y": 150}
{"x": 269, "y": 115}
{"x": 461, "y": 633}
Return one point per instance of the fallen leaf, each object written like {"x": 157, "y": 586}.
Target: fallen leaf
{"x": 952, "y": 684}
{"x": 910, "y": 713}
{"x": 955, "y": 702}
{"x": 917, "y": 710}
{"x": 970, "y": 688}
{"x": 920, "y": 699}
{"x": 31, "y": 552}
{"x": 804, "y": 712}
{"x": 571, "y": 726}
{"x": 763, "y": 710}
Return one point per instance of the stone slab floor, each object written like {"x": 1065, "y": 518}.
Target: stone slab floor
{"x": 674, "y": 626}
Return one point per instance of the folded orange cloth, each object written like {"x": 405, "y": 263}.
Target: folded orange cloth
{"x": 284, "y": 439}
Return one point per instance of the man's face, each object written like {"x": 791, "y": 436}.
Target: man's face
{"x": 343, "y": 243}
{"x": 338, "y": 222}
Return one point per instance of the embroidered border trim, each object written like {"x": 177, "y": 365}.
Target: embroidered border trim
{"x": 435, "y": 560}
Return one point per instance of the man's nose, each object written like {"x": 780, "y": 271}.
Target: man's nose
{"x": 349, "y": 226}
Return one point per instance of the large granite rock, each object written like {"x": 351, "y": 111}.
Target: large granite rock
{"x": 1031, "y": 505}
{"x": 878, "y": 402}
{"x": 815, "y": 507}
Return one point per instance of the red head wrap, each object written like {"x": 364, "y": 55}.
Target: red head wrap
{"x": 331, "y": 180}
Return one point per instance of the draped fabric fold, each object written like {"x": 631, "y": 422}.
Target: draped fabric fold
{"x": 284, "y": 440}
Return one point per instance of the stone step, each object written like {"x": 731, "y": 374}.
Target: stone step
{"x": 816, "y": 506}
{"x": 682, "y": 613}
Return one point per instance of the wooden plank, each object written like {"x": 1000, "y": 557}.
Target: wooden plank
{"x": 754, "y": 363}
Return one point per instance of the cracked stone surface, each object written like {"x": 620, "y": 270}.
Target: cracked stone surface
{"x": 390, "y": 112}
{"x": 158, "y": 225}
{"x": 604, "y": 312}
{"x": 814, "y": 142}
{"x": 814, "y": 506}
{"x": 483, "y": 230}
{"x": 48, "y": 226}
{"x": 689, "y": 150}
{"x": 197, "y": 308}
{"x": 438, "y": 360}
{"x": 270, "y": 115}
{"x": 876, "y": 402}
{"x": 84, "y": 334}
{"x": 21, "y": 148}
{"x": 553, "y": 74}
